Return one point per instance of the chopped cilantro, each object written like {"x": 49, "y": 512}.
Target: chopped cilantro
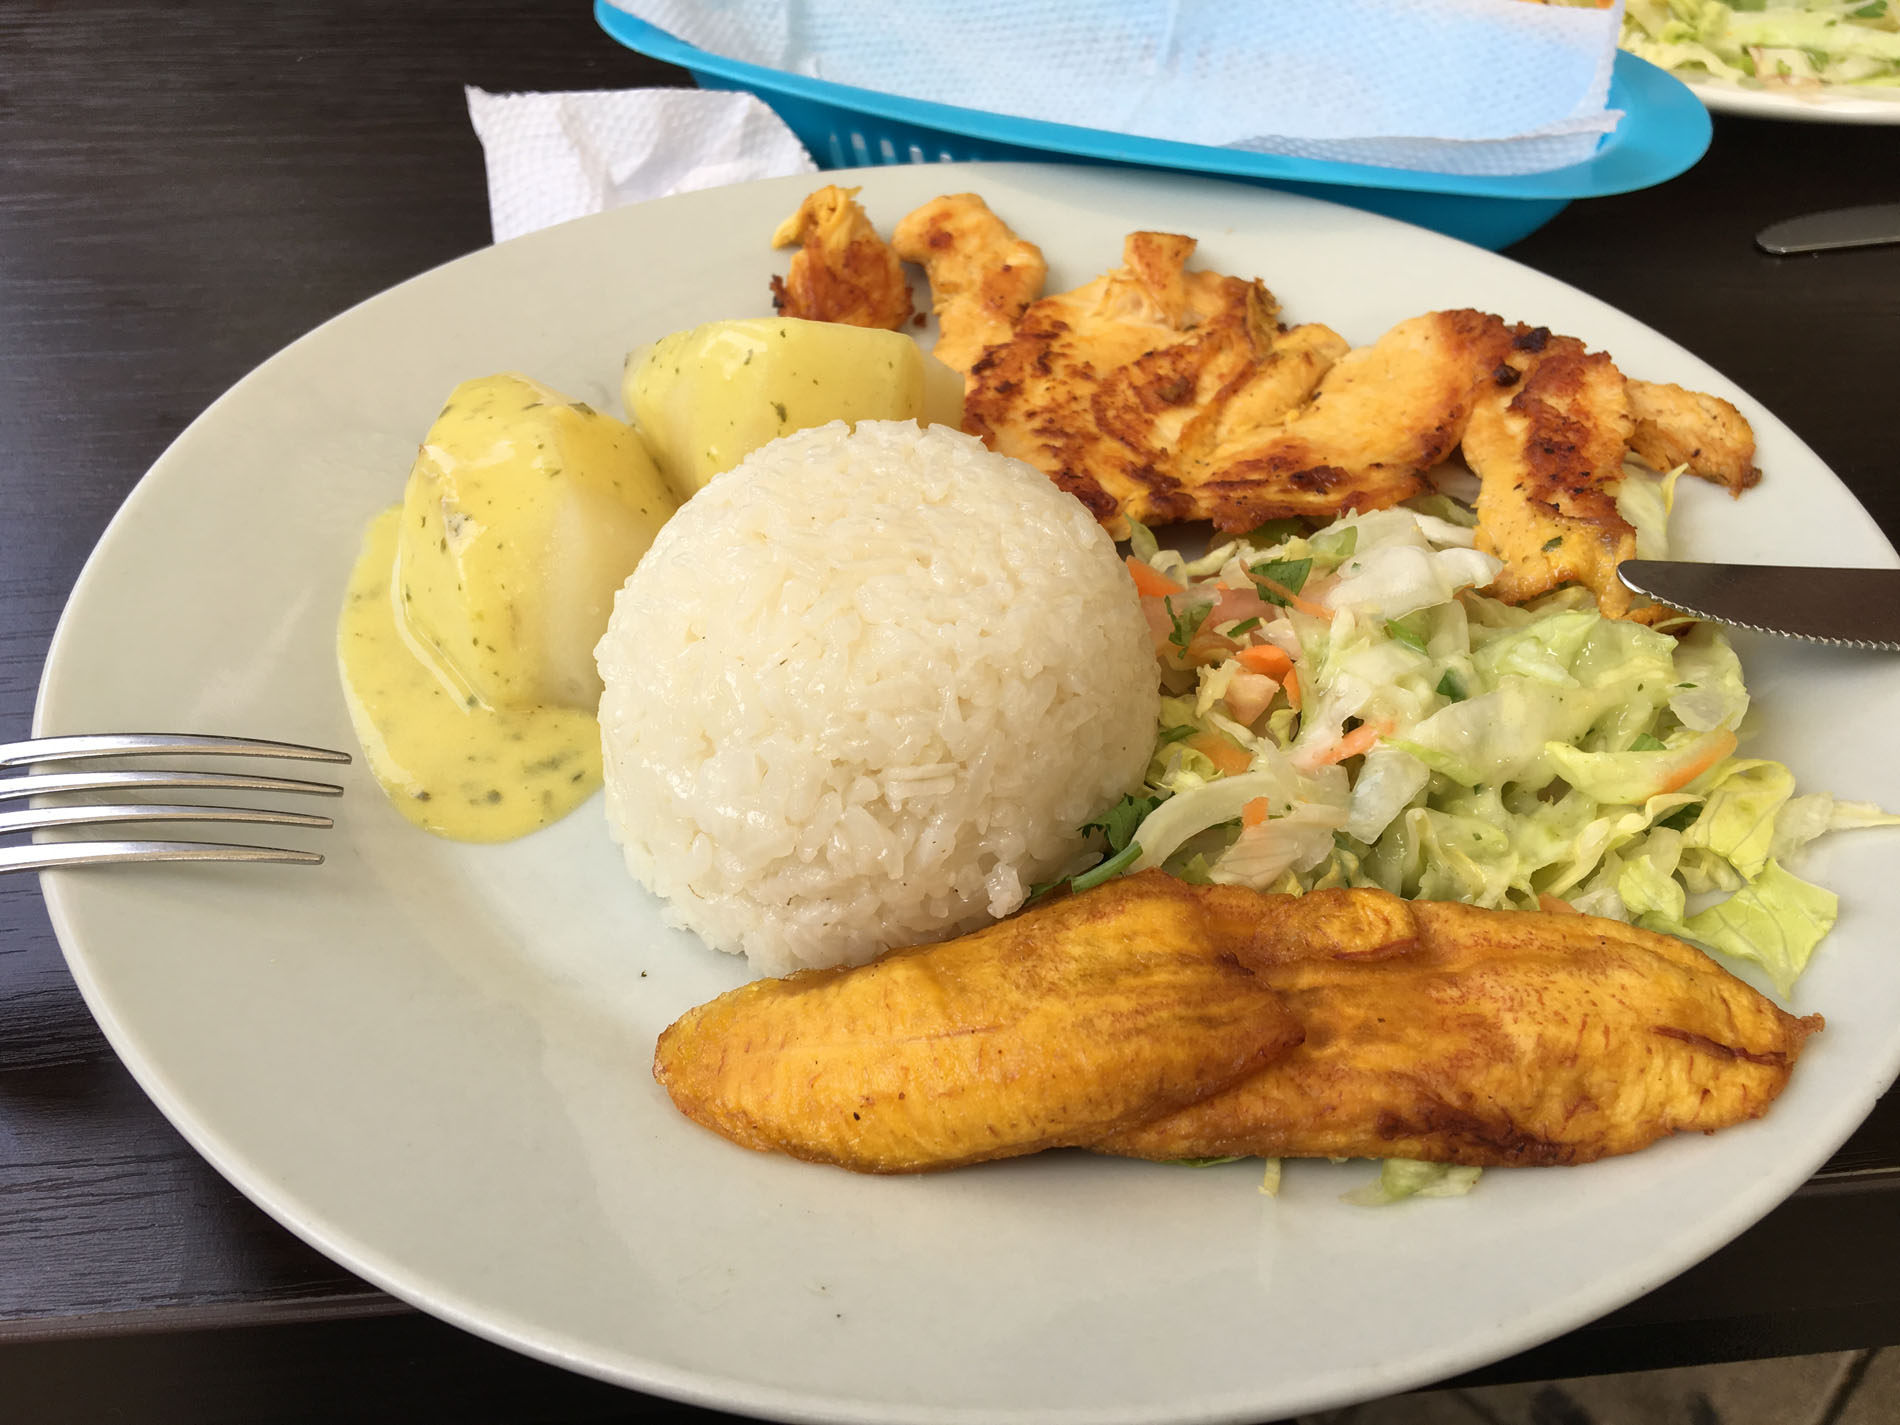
{"x": 1118, "y": 823}
{"x": 1185, "y": 625}
{"x": 1289, "y": 574}
{"x": 1450, "y": 687}
{"x": 1553, "y": 542}
{"x": 1244, "y": 626}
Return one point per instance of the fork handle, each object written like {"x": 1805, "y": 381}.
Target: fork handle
{"x": 137, "y": 744}
{"x": 54, "y": 854}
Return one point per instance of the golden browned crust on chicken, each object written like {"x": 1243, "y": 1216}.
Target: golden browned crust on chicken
{"x": 982, "y": 276}
{"x": 1075, "y": 1019}
{"x": 1105, "y": 387}
{"x": 843, "y": 271}
{"x": 1547, "y": 440}
{"x": 1381, "y": 417}
{"x": 1164, "y": 395}
{"x": 1452, "y": 1034}
{"x": 1674, "y": 426}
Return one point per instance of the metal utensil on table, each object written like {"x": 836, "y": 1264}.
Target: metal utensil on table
{"x": 1851, "y": 608}
{"x": 1869, "y": 226}
{"x": 42, "y": 751}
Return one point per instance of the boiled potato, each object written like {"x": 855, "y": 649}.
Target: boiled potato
{"x": 523, "y": 515}
{"x": 708, "y": 397}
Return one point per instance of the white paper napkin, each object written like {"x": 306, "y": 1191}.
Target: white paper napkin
{"x": 552, "y": 157}
{"x": 1453, "y": 86}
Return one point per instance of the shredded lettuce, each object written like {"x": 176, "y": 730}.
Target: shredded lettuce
{"x": 1520, "y": 752}
{"x": 1769, "y": 44}
{"x": 1400, "y": 1178}
{"x": 1645, "y": 501}
{"x": 1775, "y": 919}
{"x": 1419, "y": 736}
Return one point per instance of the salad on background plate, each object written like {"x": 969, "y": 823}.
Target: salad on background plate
{"x": 1826, "y": 60}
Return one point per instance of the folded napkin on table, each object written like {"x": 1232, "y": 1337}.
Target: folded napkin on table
{"x": 552, "y": 157}
{"x": 1451, "y": 86}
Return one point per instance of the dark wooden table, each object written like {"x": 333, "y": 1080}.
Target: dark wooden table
{"x": 185, "y": 189}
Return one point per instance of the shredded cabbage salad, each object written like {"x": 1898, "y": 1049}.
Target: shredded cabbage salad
{"x": 1769, "y": 44}
{"x": 1343, "y": 708}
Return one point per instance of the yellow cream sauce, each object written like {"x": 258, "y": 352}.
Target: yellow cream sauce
{"x": 450, "y": 764}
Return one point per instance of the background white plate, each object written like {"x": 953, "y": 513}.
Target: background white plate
{"x": 1831, "y": 105}
{"x": 431, "y": 1060}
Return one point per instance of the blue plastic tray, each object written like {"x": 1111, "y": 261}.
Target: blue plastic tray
{"x": 1665, "y": 129}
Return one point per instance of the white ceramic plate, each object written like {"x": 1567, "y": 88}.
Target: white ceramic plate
{"x": 431, "y": 1060}
{"x": 1831, "y": 105}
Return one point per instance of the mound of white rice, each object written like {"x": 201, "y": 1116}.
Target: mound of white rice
{"x": 862, "y": 692}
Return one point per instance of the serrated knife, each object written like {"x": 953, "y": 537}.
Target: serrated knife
{"x": 1854, "y": 608}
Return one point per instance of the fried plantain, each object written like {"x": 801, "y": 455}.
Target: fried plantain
{"x": 1453, "y": 1034}
{"x": 1075, "y": 1019}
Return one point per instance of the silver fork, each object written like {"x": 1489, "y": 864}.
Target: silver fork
{"x": 45, "y": 855}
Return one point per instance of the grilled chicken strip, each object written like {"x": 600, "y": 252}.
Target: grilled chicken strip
{"x": 843, "y": 271}
{"x": 1675, "y": 427}
{"x": 982, "y": 276}
{"x": 1381, "y": 417}
{"x": 1164, "y": 395}
{"x": 1073, "y": 1020}
{"x": 1103, "y": 387}
{"x": 1547, "y": 439}
{"x": 1452, "y": 1034}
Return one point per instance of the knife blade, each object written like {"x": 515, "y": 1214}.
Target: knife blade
{"x": 1854, "y": 608}
{"x": 1870, "y": 226}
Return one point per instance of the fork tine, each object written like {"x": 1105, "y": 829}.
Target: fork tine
{"x": 43, "y": 818}
{"x": 45, "y": 783}
{"x": 66, "y": 749}
{"x": 52, "y": 854}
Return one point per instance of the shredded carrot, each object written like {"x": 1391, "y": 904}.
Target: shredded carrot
{"x": 1229, "y": 759}
{"x": 1717, "y": 749}
{"x": 1304, "y": 605}
{"x": 1362, "y": 738}
{"x": 1254, "y": 812}
{"x": 1265, "y": 658}
{"x": 1556, "y": 905}
{"x": 1150, "y": 580}
{"x": 1292, "y": 685}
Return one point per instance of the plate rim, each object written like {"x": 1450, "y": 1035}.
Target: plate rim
{"x": 1828, "y": 105}
{"x": 735, "y": 1393}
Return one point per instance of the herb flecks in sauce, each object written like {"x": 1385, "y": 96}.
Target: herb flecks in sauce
{"x": 425, "y": 744}
{"x": 467, "y": 638}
